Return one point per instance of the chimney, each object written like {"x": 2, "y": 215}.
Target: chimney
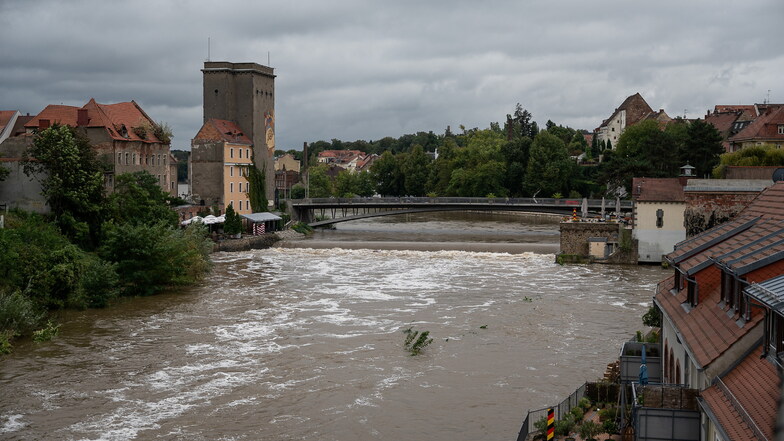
{"x": 43, "y": 124}
{"x": 81, "y": 117}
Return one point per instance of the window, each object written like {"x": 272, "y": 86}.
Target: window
{"x": 781, "y": 129}
{"x": 231, "y": 187}
{"x": 240, "y": 201}
{"x": 659, "y": 218}
{"x": 726, "y": 289}
{"x": 159, "y": 159}
{"x": 240, "y": 184}
{"x": 231, "y": 152}
{"x": 231, "y": 170}
{"x": 775, "y": 334}
{"x": 134, "y": 159}
{"x": 247, "y": 153}
{"x": 127, "y": 155}
{"x": 164, "y": 159}
{"x": 240, "y": 152}
{"x": 119, "y": 158}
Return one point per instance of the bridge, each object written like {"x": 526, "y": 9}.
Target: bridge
{"x": 321, "y": 212}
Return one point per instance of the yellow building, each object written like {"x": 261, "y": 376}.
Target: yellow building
{"x": 220, "y": 156}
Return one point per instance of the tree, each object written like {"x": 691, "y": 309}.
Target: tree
{"x": 702, "y": 147}
{"x": 71, "y": 181}
{"x": 257, "y": 187}
{"x": 549, "y": 166}
{"x": 139, "y": 199}
{"x": 519, "y": 124}
{"x": 233, "y": 224}
{"x": 319, "y": 184}
{"x": 589, "y": 430}
{"x": 349, "y": 184}
{"x": 387, "y": 175}
{"x": 415, "y": 171}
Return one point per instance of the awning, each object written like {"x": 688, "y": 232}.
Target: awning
{"x": 261, "y": 217}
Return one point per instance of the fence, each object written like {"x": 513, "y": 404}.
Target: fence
{"x": 563, "y": 408}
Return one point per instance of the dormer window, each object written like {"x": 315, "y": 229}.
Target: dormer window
{"x": 781, "y": 129}
{"x": 692, "y": 292}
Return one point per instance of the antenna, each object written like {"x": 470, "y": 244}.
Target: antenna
{"x": 767, "y": 99}
{"x": 208, "y": 48}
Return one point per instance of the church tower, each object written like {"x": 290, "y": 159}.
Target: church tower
{"x": 245, "y": 93}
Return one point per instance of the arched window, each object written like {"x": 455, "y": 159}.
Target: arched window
{"x": 665, "y": 361}
{"x": 677, "y": 372}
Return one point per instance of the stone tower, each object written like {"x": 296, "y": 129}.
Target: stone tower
{"x": 245, "y": 93}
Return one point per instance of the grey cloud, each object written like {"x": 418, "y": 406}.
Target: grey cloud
{"x": 364, "y": 70}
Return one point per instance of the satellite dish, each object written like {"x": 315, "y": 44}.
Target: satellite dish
{"x": 778, "y": 175}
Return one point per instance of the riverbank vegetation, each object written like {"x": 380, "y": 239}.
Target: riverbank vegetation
{"x": 516, "y": 159}
{"x": 94, "y": 247}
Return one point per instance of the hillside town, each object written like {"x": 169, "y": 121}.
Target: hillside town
{"x": 719, "y": 230}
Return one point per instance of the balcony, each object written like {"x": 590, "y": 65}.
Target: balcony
{"x": 631, "y": 360}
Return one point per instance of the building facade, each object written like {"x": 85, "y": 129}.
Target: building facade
{"x": 244, "y": 93}
{"x": 221, "y": 154}
{"x": 659, "y": 204}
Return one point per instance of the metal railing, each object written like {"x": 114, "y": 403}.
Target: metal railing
{"x": 561, "y": 410}
{"x": 609, "y": 204}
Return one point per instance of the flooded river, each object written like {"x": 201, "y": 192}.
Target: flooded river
{"x": 305, "y": 342}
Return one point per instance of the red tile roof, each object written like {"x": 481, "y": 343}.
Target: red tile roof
{"x": 55, "y": 113}
{"x": 747, "y": 111}
{"x": 222, "y": 130}
{"x": 705, "y": 329}
{"x": 752, "y": 241}
{"x": 752, "y": 388}
{"x": 112, "y": 117}
{"x": 658, "y": 190}
{"x": 5, "y": 118}
{"x": 764, "y": 128}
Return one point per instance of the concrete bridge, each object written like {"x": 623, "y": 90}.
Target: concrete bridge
{"x": 334, "y": 210}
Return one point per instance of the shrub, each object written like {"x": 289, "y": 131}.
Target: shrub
{"x": 608, "y": 414}
{"x": 151, "y": 257}
{"x": 48, "y": 332}
{"x": 653, "y": 317}
{"x": 233, "y": 224}
{"x": 578, "y": 413}
{"x": 302, "y": 228}
{"x": 589, "y": 430}
{"x": 416, "y": 341}
{"x": 541, "y": 428}
{"x": 584, "y": 403}
{"x": 609, "y": 427}
{"x": 18, "y": 314}
{"x": 98, "y": 285}
{"x": 565, "y": 426}
{"x": 297, "y": 191}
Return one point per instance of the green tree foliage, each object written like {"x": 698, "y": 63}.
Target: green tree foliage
{"x": 415, "y": 171}
{"x": 643, "y": 150}
{"x": 549, "y": 166}
{"x": 138, "y": 198}
{"x": 71, "y": 181}
{"x": 386, "y": 172}
{"x": 150, "y": 258}
{"x": 257, "y": 188}
{"x": 702, "y": 147}
{"x": 756, "y": 156}
{"x": 298, "y": 191}
{"x": 320, "y": 185}
{"x": 233, "y": 224}
{"x": 349, "y": 184}
{"x": 519, "y": 124}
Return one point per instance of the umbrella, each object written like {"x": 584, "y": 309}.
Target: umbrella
{"x": 602, "y": 207}
{"x": 643, "y": 369}
{"x": 209, "y": 220}
{"x": 618, "y": 207}
{"x": 585, "y": 208}
{"x": 193, "y": 219}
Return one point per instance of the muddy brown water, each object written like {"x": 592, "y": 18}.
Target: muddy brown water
{"x": 304, "y": 342}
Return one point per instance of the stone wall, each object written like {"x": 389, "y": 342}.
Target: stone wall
{"x": 246, "y": 243}
{"x": 706, "y": 210}
{"x": 574, "y": 235}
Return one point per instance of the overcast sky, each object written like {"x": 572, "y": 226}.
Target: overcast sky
{"x": 352, "y": 69}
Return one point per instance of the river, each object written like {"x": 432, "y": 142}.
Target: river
{"x": 305, "y": 341}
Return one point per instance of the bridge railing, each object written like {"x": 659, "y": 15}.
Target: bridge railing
{"x": 610, "y": 204}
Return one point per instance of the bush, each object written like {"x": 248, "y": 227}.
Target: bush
{"x": 48, "y": 332}
{"x": 584, "y": 403}
{"x": 18, "y": 314}
{"x": 98, "y": 285}
{"x": 416, "y": 341}
{"x": 233, "y": 224}
{"x": 608, "y": 414}
{"x": 609, "y": 427}
{"x": 150, "y": 258}
{"x": 589, "y": 430}
{"x": 297, "y": 191}
{"x": 565, "y": 426}
{"x": 653, "y": 317}
{"x": 302, "y": 228}
{"x": 578, "y": 413}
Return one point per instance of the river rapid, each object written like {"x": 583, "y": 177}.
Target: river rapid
{"x": 305, "y": 341}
